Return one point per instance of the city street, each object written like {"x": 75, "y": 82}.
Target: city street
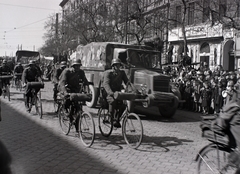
{"x": 38, "y": 146}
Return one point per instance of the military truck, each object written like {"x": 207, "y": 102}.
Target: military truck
{"x": 142, "y": 66}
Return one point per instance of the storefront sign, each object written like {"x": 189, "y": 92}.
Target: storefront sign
{"x": 196, "y": 32}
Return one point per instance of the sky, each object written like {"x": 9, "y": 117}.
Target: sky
{"x": 22, "y": 24}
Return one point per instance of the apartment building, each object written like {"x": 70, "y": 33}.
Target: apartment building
{"x": 209, "y": 31}
{"x": 210, "y": 27}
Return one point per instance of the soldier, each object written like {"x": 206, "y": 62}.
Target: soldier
{"x": 5, "y": 70}
{"x": 30, "y": 74}
{"x": 56, "y": 77}
{"x": 18, "y": 69}
{"x": 112, "y": 82}
{"x": 72, "y": 80}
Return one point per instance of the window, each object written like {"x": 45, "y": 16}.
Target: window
{"x": 206, "y": 12}
{"x": 191, "y": 13}
{"x": 178, "y": 15}
{"x": 222, "y": 8}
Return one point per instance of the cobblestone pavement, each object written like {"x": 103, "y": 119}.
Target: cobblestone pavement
{"x": 38, "y": 146}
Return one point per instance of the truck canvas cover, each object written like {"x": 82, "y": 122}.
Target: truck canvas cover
{"x": 98, "y": 55}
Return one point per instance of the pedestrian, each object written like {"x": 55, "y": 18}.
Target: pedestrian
{"x": 206, "y": 97}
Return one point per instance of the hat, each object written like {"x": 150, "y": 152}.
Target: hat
{"x": 63, "y": 63}
{"x": 76, "y": 62}
{"x": 115, "y": 61}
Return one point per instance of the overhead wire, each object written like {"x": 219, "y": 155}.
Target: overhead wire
{"x": 28, "y": 7}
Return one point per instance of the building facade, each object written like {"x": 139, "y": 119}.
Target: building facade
{"x": 209, "y": 37}
{"x": 208, "y": 27}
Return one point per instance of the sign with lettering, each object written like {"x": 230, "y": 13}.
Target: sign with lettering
{"x": 196, "y": 32}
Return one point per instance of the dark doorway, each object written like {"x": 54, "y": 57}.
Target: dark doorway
{"x": 231, "y": 63}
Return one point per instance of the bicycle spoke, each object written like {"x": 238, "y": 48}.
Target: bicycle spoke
{"x": 213, "y": 160}
{"x": 132, "y": 130}
{"x": 86, "y": 129}
{"x": 105, "y": 122}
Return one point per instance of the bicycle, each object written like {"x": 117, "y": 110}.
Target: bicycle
{"x": 82, "y": 120}
{"x": 18, "y": 82}
{"x": 6, "y": 86}
{"x": 132, "y": 128}
{"x": 214, "y": 157}
{"x": 35, "y": 99}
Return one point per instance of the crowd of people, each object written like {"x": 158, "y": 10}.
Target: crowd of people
{"x": 204, "y": 90}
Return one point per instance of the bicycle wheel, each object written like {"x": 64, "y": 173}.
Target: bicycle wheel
{"x": 214, "y": 160}
{"x": 64, "y": 120}
{"x": 132, "y": 130}
{"x": 105, "y": 122}
{"x": 38, "y": 106}
{"x": 86, "y": 129}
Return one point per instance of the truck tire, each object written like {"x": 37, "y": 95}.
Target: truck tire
{"x": 168, "y": 111}
{"x": 94, "y": 93}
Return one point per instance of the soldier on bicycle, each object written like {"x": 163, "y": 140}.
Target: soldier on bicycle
{"x": 18, "y": 69}
{"x": 112, "y": 82}
{"x": 5, "y": 70}
{"x": 30, "y": 74}
{"x": 56, "y": 76}
{"x": 72, "y": 80}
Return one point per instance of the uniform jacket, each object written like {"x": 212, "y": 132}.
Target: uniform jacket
{"x": 5, "y": 70}
{"x": 70, "y": 80}
{"x": 18, "y": 69}
{"x": 30, "y": 75}
{"x": 57, "y": 74}
{"x": 112, "y": 81}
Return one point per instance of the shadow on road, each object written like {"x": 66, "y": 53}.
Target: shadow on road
{"x": 36, "y": 148}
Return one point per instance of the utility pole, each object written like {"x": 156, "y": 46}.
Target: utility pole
{"x": 56, "y": 36}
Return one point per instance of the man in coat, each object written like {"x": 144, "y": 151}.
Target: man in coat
{"x": 112, "y": 82}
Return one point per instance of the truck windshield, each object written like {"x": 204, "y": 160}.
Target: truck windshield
{"x": 143, "y": 58}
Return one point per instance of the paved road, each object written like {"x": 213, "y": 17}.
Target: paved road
{"x": 38, "y": 146}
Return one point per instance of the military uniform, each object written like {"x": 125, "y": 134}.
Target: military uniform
{"x": 56, "y": 76}
{"x": 112, "y": 81}
{"x": 18, "y": 69}
{"x": 5, "y": 70}
{"x": 73, "y": 79}
{"x": 30, "y": 75}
